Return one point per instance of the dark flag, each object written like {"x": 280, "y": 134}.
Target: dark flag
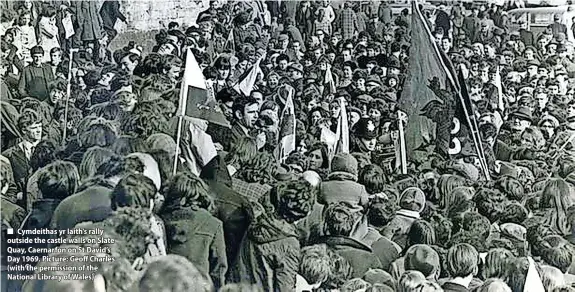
{"x": 424, "y": 63}
{"x": 435, "y": 99}
{"x": 196, "y": 97}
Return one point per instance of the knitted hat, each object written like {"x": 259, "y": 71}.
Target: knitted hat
{"x": 422, "y": 258}
{"x": 344, "y": 163}
{"x": 412, "y": 196}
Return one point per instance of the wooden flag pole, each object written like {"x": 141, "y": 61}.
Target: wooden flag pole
{"x": 68, "y": 93}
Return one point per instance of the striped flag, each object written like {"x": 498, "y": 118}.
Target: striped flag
{"x": 246, "y": 84}
{"x": 329, "y": 82}
{"x": 342, "y": 132}
{"x": 196, "y": 98}
{"x": 287, "y": 136}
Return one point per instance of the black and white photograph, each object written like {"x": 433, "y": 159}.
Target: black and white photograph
{"x": 287, "y": 145}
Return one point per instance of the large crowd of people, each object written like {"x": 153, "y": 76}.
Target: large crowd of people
{"x": 90, "y": 142}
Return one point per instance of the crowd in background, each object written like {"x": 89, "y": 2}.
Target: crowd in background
{"x": 98, "y": 151}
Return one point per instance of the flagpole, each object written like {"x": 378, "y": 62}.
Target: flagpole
{"x": 68, "y": 93}
{"x": 402, "y": 147}
{"x": 178, "y": 140}
{"x": 470, "y": 118}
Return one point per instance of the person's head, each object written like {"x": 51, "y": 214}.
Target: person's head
{"x": 532, "y": 138}
{"x": 521, "y": 119}
{"x": 58, "y": 180}
{"x": 97, "y": 134}
{"x": 421, "y": 232}
{"x": 341, "y": 218}
{"x": 412, "y": 199}
{"x": 410, "y": 281}
{"x": 93, "y": 158}
{"x": 495, "y": 264}
{"x": 25, "y": 18}
{"x": 186, "y": 191}
{"x": 373, "y": 178}
{"x": 462, "y": 261}
{"x": 37, "y": 54}
{"x": 171, "y": 67}
{"x": 30, "y": 126}
{"x": 379, "y": 214}
{"x": 57, "y": 91}
{"x": 494, "y": 285}
{"x": 79, "y": 280}
{"x": 557, "y": 197}
{"x": 423, "y": 258}
{"x": 293, "y": 200}
{"x": 133, "y": 190}
{"x": 314, "y": 265}
{"x": 344, "y": 164}
{"x": 514, "y": 212}
{"x": 246, "y": 111}
{"x": 173, "y": 273}
{"x": 551, "y": 277}
{"x": 318, "y": 157}
{"x": 557, "y": 252}
{"x": 44, "y": 153}
{"x": 129, "y": 62}
{"x": 55, "y": 56}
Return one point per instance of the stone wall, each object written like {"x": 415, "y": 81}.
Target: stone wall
{"x": 146, "y": 15}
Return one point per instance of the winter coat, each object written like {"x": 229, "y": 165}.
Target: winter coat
{"x": 12, "y": 217}
{"x": 384, "y": 12}
{"x": 288, "y": 9}
{"x": 386, "y": 250}
{"x": 398, "y": 227}
{"x": 34, "y": 81}
{"x": 269, "y": 255}
{"x": 231, "y": 209}
{"x": 199, "y": 237}
{"x": 11, "y": 193}
{"x": 90, "y": 24}
{"x": 92, "y": 204}
{"x": 340, "y": 187}
{"x": 110, "y": 13}
{"x": 358, "y": 255}
{"x": 304, "y": 20}
{"x": 20, "y": 166}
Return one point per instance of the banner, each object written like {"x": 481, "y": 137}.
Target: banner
{"x": 196, "y": 99}
{"x": 246, "y": 84}
{"x": 417, "y": 97}
{"x": 342, "y": 132}
{"x": 287, "y": 136}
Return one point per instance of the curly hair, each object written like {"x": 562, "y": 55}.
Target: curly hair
{"x": 293, "y": 200}
{"x": 186, "y": 190}
{"x": 261, "y": 169}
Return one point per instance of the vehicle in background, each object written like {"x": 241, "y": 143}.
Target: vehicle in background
{"x": 538, "y": 18}
{"x": 398, "y": 5}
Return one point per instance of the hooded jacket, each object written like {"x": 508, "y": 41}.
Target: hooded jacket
{"x": 269, "y": 255}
